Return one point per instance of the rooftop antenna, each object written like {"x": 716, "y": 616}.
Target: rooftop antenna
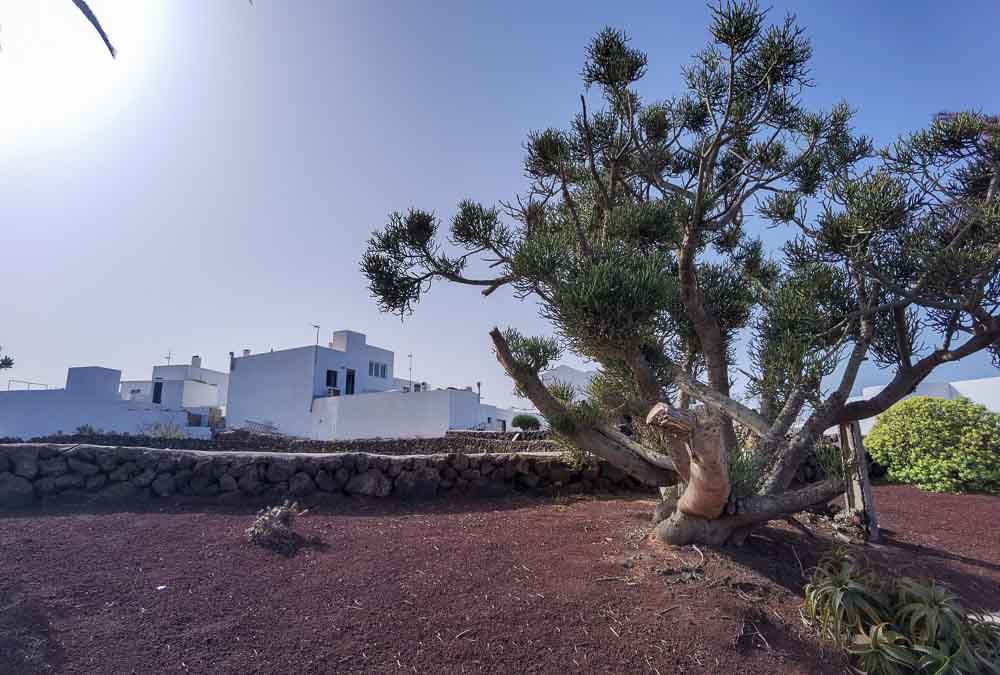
{"x": 169, "y": 356}
{"x": 316, "y": 326}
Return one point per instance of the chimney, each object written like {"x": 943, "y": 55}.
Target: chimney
{"x": 196, "y": 361}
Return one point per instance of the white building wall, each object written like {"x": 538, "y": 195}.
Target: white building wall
{"x": 200, "y": 394}
{"x": 402, "y": 415}
{"x": 273, "y": 388}
{"x": 28, "y": 414}
{"x": 197, "y": 373}
{"x": 985, "y": 391}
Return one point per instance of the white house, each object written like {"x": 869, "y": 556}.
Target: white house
{"x": 94, "y": 397}
{"x": 985, "y": 390}
{"x": 346, "y": 390}
{"x": 180, "y": 385}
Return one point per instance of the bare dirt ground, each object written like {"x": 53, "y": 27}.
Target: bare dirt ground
{"x": 514, "y": 585}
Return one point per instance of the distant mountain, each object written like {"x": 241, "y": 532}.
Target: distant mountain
{"x": 578, "y": 378}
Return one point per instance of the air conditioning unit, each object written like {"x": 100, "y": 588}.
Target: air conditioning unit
{"x": 332, "y": 391}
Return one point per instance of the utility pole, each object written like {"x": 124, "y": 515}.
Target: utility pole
{"x": 410, "y": 356}
{"x": 316, "y": 326}
{"x": 169, "y": 355}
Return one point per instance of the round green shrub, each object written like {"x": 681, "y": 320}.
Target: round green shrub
{"x": 526, "y": 422}
{"x": 940, "y": 445}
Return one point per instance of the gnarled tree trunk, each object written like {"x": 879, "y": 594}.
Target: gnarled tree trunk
{"x": 704, "y": 511}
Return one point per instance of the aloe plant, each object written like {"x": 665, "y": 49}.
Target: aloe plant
{"x": 930, "y": 612}
{"x": 844, "y": 598}
{"x": 882, "y": 651}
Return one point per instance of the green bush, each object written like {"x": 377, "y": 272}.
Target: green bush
{"x": 940, "y": 445}
{"x": 526, "y": 422}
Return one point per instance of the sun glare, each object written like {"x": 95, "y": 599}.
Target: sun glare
{"x": 57, "y": 79}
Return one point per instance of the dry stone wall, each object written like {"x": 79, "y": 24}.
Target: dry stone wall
{"x": 30, "y": 472}
{"x": 245, "y": 441}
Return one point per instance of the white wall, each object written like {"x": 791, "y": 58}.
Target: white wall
{"x": 200, "y": 394}
{"x": 985, "y": 391}
{"x": 274, "y": 388}
{"x": 404, "y": 415}
{"x": 93, "y": 381}
{"x": 490, "y": 417}
{"x": 197, "y": 373}
{"x": 27, "y": 414}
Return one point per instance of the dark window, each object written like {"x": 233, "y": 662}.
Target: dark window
{"x": 349, "y": 383}
{"x": 383, "y": 370}
{"x": 331, "y": 378}
{"x": 157, "y": 392}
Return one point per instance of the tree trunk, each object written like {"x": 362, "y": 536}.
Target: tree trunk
{"x": 699, "y": 436}
{"x": 703, "y": 513}
{"x": 681, "y": 529}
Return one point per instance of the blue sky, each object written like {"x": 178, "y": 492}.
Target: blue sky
{"x": 212, "y": 188}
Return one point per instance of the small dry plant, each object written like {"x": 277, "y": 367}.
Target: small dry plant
{"x": 273, "y": 528}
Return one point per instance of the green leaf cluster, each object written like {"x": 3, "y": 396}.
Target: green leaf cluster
{"x": 896, "y": 626}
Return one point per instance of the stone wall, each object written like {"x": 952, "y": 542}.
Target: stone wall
{"x": 33, "y": 471}
{"x": 540, "y": 435}
{"x": 246, "y": 441}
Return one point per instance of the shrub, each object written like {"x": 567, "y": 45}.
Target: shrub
{"x": 86, "y": 430}
{"x": 940, "y": 445}
{"x": 899, "y": 626}
{"x": 273, "y": 528}
{"x": 526, "y": 422}
{"x": 163, "y": 430}
{"x": 746, "y": 472}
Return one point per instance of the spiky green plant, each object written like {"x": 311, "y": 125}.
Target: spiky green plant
{"x": 881, "y": 650}
{"x": 929, "y": 612}
{"x": 982, "y": 633}
{"x": 830, "y": 459}
{"x": 746, "y": 472}
{"x": 946, "y": 658}
{"x": 843, "y": 597}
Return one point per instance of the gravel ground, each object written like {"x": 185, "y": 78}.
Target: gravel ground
{"x": 514, "y": 585}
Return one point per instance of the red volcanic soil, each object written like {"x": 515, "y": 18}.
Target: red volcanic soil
{"x": 514, "y": 585}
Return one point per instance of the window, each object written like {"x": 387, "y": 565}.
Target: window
{"x": 382, "y": 370}
{"x": 331, "y": 378}
{"x": 371, "y": 369}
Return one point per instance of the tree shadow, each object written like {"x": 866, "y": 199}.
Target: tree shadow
{"x": 26, "y": 641}
{"x": 786, "y": 557}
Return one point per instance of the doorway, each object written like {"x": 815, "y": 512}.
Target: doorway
{"x": 349, "y": 383}
{"x": 157, "y": 392}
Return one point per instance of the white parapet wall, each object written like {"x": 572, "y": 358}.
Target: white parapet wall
{"x": 425, "y": 414}
{"x": 30, "y": 414}
{"x": 91, "y": 398}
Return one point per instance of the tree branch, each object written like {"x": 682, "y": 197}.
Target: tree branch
{"x": 605, "y": 442}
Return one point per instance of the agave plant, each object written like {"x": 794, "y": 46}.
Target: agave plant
{"x": 843, "y": 597}
{"x": 882, "y": 651}
{"x": 930, "y": 613}
{"x": 947, "y": 659}
{"x": 982, "y": 634}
